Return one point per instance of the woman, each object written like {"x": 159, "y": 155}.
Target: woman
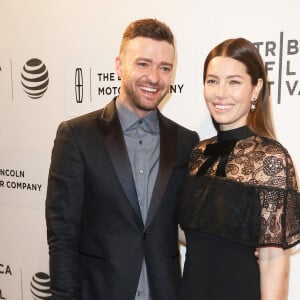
{"x": 242, "y": 192}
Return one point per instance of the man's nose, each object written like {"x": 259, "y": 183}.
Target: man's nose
{"x": 153, "y": 75}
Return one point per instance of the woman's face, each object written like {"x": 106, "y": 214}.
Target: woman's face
{"x": 228, "y": 92}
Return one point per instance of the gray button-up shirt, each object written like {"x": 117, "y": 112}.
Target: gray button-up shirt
{"x": 143, "y": 147}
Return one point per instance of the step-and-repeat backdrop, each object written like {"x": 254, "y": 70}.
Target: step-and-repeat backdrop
{"x": 71, "y": 45}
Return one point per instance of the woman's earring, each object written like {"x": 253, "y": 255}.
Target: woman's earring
{"x": 253, "y": 104}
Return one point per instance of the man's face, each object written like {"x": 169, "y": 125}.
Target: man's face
{"x": 145, "y": 68}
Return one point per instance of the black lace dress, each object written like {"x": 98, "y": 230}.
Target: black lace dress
{"x": 241, "y": 194}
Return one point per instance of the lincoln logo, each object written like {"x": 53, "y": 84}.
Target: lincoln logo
{"x": 35, "y": 78}
{"x": 78, "y": 85}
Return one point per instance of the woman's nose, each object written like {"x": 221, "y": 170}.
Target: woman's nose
{"x": 221, "y": 91}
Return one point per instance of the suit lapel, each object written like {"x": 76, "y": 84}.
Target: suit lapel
{"x": 113, "y": 139}
{"x": 168, "y": 146}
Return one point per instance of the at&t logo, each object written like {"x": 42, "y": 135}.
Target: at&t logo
{"x": 34, "y": 78}
{"x": 40, "y": 286}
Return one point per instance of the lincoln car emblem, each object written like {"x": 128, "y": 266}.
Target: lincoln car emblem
{"x": 78, "y": 85}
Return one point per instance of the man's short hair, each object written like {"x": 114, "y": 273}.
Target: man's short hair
{"x": 148, "y": 28}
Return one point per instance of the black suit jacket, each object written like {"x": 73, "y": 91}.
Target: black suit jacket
{"x": 96, "y": 236}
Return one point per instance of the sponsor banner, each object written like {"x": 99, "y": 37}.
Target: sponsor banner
{"x": 90, "y": 88}
{"x": 23, "y": 179}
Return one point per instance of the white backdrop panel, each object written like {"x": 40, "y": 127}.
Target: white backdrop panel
{"x": 85, "y": 35}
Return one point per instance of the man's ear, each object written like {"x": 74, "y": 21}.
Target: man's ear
{"x": 119, "y": 66}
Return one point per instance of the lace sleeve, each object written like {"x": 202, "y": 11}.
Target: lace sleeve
{"x": 280, "y": 216}
{"x": 257, "y": 216}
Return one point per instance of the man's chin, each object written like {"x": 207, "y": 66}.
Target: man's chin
{"x": 149, "y": 106}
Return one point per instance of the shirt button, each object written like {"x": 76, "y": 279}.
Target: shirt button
{"x": 140, "y": 142}
{"x": 141, "y": 171}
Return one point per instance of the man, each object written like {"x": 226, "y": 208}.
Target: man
{"x": 113, "y": 184}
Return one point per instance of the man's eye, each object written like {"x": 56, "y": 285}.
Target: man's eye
{"x": 142, "y": 64}
{"x": 166, "y": 69}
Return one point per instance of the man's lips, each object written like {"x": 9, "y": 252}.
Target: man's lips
{"x": 149, "y": 89}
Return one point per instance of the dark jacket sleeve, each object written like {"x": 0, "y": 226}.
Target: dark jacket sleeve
{"x": 64, "y": 203}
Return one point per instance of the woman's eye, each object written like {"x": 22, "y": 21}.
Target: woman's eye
{"x": 211, "y": 81}
{"x": 233, "y": 82}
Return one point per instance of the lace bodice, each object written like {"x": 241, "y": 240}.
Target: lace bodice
{"x": 243, "y": 189}
{"x": 254, "y": 160}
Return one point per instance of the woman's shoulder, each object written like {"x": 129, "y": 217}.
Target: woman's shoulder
{"x": 268, "y": 159}
{"x": 268, "y": 145}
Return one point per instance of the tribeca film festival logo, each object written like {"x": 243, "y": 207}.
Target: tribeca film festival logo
{"x": 34, "y": 78}
{"x": 5, "y": 270}
{"x": 108, "y": 85}
{"x": 40, "y": 286}
{"x": 278, "y": 57}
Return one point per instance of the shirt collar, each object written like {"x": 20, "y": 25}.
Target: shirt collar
{"x": 128, "y": 118}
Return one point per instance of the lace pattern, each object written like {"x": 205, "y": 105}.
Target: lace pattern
{"x": 257, "y": 203}
{"x": 255, "y": 160}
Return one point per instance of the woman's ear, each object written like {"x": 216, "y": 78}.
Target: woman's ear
{"x": 258, "y": 87}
